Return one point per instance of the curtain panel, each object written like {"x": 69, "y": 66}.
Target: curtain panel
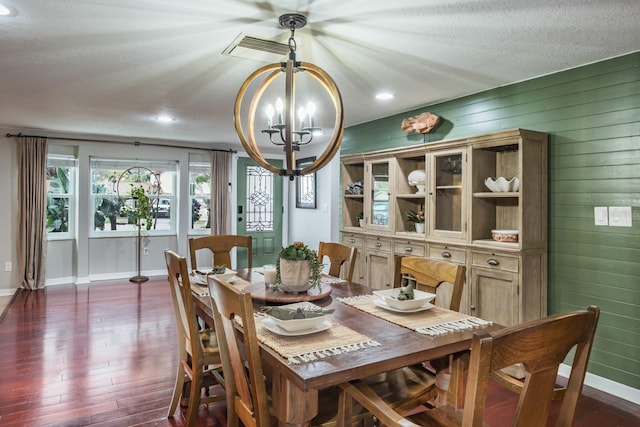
{"x": 220, "y": 204}
{"x": 32, "y": 199}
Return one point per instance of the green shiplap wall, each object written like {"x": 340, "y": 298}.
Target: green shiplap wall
{"x": 592, "y": 115}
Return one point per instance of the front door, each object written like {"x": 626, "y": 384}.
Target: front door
{"x": 259, "y": 210}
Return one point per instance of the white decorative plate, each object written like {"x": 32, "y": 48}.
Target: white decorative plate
{"x": 380, "y": 303}
{"x": 271, "y": 326}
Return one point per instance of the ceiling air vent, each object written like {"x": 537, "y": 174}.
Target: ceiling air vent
{"x": 257, "y": 49}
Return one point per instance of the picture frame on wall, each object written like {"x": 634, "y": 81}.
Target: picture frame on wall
{"x": 305, "y": 186}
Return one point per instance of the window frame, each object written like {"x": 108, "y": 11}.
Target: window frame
{"x": 118, "y": 166}
{"x": 199, "y": 164}
{"x": 55, "y": 160}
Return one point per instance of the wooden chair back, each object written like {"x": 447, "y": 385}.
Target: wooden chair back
{"x": 220, "y": 247}
{"x": 338, "y": 255}
{"x": 247, "y": 400}
{"x": 183, "y": 305}
{"x": 201, "y": 365}
{"x": 429, "y": 274}
{"x": 541, "y": 345}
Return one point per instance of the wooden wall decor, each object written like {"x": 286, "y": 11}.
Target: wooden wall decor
{"x": 422, "y": 123}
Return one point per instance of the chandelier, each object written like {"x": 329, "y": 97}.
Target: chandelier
{"x": 282, "y": 128}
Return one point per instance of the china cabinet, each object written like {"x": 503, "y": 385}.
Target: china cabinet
{"x": 506, "y": 280}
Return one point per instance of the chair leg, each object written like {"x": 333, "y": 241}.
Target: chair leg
{"x": 177, "y": 391}
{"x": 194, "y": 398}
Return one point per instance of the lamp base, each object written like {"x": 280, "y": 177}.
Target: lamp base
{"x": 138, "y": 279}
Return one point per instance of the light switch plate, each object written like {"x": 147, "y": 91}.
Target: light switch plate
{"x": 620, "y": 216}
{"x": 601, "y": 215}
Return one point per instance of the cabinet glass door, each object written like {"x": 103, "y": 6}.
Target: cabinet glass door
{"x": 447, "y": 209}
{"x": 380, "y": 195}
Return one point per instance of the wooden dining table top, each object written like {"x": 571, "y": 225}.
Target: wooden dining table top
{"x": 398, "y": 346}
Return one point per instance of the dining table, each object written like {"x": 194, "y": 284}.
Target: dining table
{"x": 387, "y": 345}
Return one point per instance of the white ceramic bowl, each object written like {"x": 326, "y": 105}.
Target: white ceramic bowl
{"x": 389, "y": 296}
{"x": 502, "y": 184}
{"x": 295, "y": 325}
{"x": 510, "y": 236}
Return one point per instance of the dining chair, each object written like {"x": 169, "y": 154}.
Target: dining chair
{"x": 220, "y": 247}
{"x": 430, "y": 274}
{"x": 412, "y": 386}
{"x": 339, "y": 255}
{"x": 541, "y": 345}
{"x": 199, "y": 355}
{"x": 248, "y": 401}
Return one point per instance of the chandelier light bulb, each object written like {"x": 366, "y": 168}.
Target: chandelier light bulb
{"x": 279, "y": 109}
{"x": 270, "y": 112}
{"x": 311, "y": 109}
{"x": 302, "y": 114}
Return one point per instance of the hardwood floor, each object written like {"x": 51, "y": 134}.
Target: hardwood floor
{"x": 104, "y": 355}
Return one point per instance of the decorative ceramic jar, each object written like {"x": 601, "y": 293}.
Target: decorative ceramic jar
{"x": 418, "y": 178}
{"x": 295, "y": 275}
{"x": 420, "y": 227}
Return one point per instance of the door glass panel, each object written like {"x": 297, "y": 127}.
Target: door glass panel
{"x": 259, "y": 201}
{"x": 448, "y": 206}
{"x": 380, "y": 194}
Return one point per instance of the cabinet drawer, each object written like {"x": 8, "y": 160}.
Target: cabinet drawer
{"x": 378, "y": 244}
{"x": 445, "y": 253}
{"x": 352, "y": 240}
{"x": 408, "y": 248}
{"x": 494, "y": 261}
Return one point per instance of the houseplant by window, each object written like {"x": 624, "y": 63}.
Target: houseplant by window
{"x": 298, "y": 268}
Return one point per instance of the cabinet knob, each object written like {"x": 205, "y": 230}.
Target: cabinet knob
{"x": 408, "y": 248}
{"x": 472, "y": 307}
{"x": 446, "y": 254}
{"x": 378, "y": 244}
{"x": 493, "y": 261}
{"x": 352, "y": 240}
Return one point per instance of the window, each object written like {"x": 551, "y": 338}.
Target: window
{"x": 115, "y": 182}
{"x": 200, "y": 191}
{"x": 61, "y": 176}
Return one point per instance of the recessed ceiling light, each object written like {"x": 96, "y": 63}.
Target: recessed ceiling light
{"x": 165, "y": 118}
{"x": 383, "y": 96}
{"x": 4, "y": 11}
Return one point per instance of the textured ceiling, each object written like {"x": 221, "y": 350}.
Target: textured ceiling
{"x": 107, "y": 68}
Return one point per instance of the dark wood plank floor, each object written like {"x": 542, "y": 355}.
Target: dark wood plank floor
{"x": 104, "y": 355}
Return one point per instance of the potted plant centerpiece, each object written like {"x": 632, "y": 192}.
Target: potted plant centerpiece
{"x": 417, "y": 218}
{"x": 298, "y": 268}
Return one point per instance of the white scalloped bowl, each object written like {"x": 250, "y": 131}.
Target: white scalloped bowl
{"x": 502, "y": 184}
{"x": 295, "y": 325}
{"x": 390, "y": 297}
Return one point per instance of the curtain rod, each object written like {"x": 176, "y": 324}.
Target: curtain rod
{"x": 136, "y": 143}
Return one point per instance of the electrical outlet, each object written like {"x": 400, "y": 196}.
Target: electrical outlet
{"x": 8, "y": 266}
{"x": 145, "y": 251}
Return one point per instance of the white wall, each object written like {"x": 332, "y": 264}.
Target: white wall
{"x": 9, "y": 218}
{"x": 321, "y": 224}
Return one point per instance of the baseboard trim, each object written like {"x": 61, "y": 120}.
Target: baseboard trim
{"x": 99, "y": 277}
{"x": 610, "y": 387}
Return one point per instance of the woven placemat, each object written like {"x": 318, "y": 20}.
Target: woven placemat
{"x": 434, "y": 321}
{"x": 338, "y": 339}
